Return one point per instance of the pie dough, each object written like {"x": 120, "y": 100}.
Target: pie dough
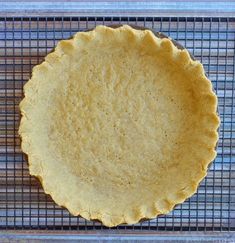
{"x": 119, "y": 125}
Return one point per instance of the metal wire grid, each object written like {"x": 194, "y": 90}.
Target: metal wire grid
{"x": 25, "y": 41}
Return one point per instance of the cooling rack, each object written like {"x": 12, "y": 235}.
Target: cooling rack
{"x": 24, "y": 42}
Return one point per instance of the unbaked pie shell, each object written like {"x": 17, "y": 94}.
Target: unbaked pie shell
{"x": 119, "y": 124}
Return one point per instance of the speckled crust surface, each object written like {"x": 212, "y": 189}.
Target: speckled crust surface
{"x": 119, "y": 125}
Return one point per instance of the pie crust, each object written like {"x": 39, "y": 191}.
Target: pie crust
{"x": 119, "y": 125}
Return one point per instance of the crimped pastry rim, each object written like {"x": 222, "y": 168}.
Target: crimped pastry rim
{"x": 100, "y": 218}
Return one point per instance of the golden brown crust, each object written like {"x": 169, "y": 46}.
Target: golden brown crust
{"x": 119, "y": 125}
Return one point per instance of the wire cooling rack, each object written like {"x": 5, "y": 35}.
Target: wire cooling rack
{"x": 25, "y": 41}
